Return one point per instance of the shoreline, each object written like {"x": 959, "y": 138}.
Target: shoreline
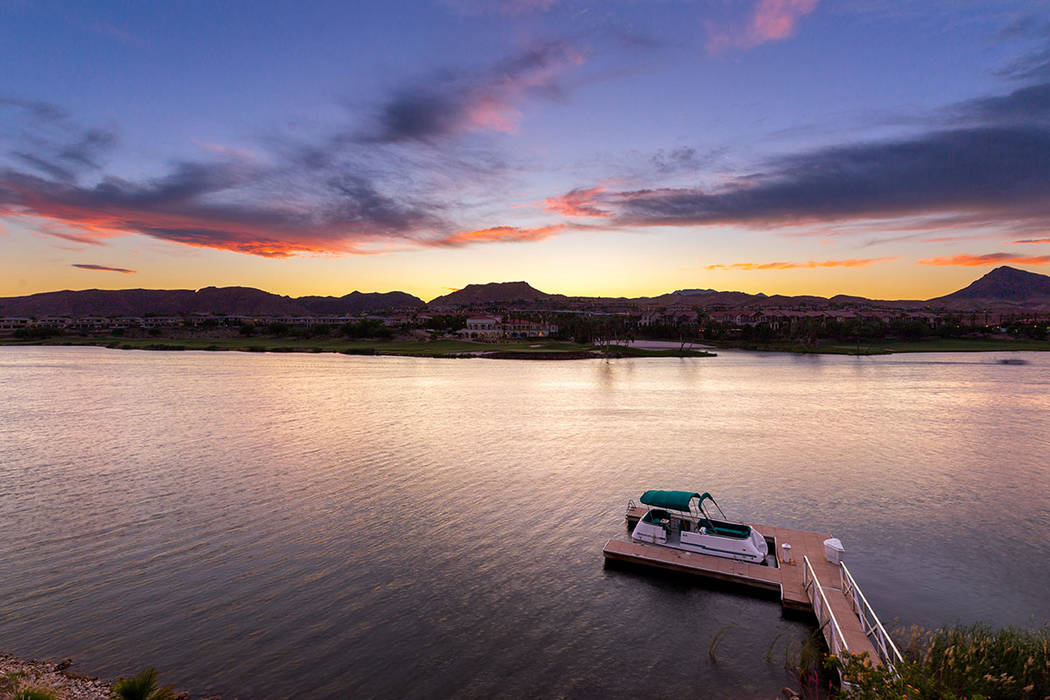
{"x": 553, "y": 351}
{"x": 17, "y": 673}
{"x": 542, "y": 350}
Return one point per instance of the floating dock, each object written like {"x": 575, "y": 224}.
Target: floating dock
{"x": 809, "y": 582}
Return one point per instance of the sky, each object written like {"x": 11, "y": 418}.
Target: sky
{"x": 892, "y": 150}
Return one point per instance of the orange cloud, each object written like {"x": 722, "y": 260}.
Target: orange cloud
{"x": 855, "y": 262}
{"x": 500, "y": 234}
{"x": 771, "y": 20}
{"x": 988, "y": 259}
{"x": 1033, "y": 240}
{"x": 578, "y": 202}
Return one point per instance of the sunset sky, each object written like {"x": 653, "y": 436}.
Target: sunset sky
{"x": 885, "y": 149}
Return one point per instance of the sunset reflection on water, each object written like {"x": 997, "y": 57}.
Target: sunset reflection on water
{"x": 258, "y": 524}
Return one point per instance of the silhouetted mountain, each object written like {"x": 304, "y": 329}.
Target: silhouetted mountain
{"x": 361, "y": 302}
{"x": 237, "y": 301}
{"x": 1004, "y": 284}
{"x": 492, "y": 293}
{"x": 693, "y": 292}
{"x": 1004, "y": 288}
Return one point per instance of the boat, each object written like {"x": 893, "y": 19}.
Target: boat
{"x": 680, "y": 520}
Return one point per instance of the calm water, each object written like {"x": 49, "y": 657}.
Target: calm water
{"x": 263, "y": 525}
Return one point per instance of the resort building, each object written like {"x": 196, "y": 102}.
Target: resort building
{"x": 495, "y": 328}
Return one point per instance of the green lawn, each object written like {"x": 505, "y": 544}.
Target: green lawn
{"x": 437, "y": 348}
{"x": 317, "y": 344}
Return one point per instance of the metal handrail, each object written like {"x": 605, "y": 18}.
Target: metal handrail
{"x": 821, "y": 606}
{"x": 873, "y": 626}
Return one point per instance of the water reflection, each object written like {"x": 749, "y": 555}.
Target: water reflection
{"x": 264, "y": 524}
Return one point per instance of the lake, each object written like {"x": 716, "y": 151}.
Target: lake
{"x": 263, "y": 525}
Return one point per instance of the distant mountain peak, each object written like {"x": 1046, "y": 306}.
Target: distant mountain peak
{"x": 1005, "y": 284}
{"x": 692, "y": 292}
{"x": 491, "y": 293}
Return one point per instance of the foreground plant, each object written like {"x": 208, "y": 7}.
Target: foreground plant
{"x": 958, "y": 663}
{"x": 34, "y": 694}
{"x": 144, "y": 686}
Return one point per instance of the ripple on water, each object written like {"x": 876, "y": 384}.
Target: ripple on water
{"x": 268, "y": 524}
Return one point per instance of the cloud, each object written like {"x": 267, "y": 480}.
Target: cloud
{"x": 499, "y": 234}
{"x": 48, "y": 142}
{"x": 1033, "y": 240}
{"x": 859, "y": 262}
{"x": 988, "y": 259}
{"x": 104, "y": 268}
{"x": 114, "y": 32}
{"x": 990, "y": 174}
{"x": 770, "y": 20}
{"x": 341, "y": 192}
{"x": 225, "y": 205}
{"x": 1022, "y": 106}
{"x": 989, "y": 167}
{"x": 1031, "y": 66}
{"x": 1024, "y": 27}
{"x": 684, "y": 159}
{"x": 449, "y": 104}
{"x": 506, "y": 7}
{"x": 40, "y": 110}
{"x": 578, "y": 202}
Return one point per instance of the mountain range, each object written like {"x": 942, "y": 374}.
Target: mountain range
{"x": 1004, "y": 288}
{"x": 245, "y": 301}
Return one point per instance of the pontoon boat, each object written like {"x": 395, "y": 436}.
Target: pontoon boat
{"x": 680, "y": 519}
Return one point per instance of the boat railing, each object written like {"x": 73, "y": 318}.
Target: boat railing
{"x": 869, "y": 621}
{"x": 825, "y": 616}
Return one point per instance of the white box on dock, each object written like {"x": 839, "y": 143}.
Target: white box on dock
{"x": 833, "y": 550}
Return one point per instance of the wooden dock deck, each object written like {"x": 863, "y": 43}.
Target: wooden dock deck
{"x": 787, "y": 578}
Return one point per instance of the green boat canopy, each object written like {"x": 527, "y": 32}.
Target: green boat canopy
{"x": 675, "y": 500}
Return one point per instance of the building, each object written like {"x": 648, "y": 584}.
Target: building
{"x": 495, "y": 328}
{"x": 483, "y": 328}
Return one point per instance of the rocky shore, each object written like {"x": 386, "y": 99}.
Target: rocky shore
{"x": 18, "y": 674}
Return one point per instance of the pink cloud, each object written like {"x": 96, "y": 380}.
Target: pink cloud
{"x": 1033, "y": 240}
{"x": 500, "y": 234}
{"x": 854, "y": 262}
{"x": 770, "y": 20}
{"x": 988, "y": 259}
{"x": 578, "y": 202}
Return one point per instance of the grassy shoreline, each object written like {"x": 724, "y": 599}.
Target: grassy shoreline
{"x": 547, "y": 349}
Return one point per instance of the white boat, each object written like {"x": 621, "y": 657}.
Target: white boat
{"x": 680, "y": 520}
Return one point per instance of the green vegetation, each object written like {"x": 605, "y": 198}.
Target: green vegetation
{"x": 340, "y": 344}
{"x": 955, "y": 664}
{"x": 11, "y": 687}
{"x": 34, "y": 694}
{"x": 144, "y": 686}
{"x": 37, "y": 333}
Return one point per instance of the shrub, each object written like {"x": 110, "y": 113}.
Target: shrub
{"x": 34, "y": 694}
{"x": 37, "y": 332}
{"x": 143, "y": 687}
{"x": 955, "y": 663}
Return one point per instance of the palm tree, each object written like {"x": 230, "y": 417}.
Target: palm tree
{"x": 143, "y": 687}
